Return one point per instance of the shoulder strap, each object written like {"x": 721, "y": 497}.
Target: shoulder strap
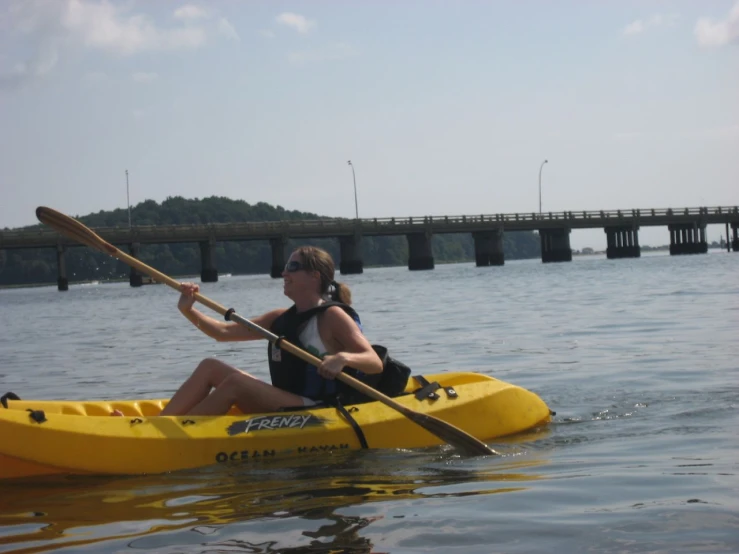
{"x": 307, "y": 314}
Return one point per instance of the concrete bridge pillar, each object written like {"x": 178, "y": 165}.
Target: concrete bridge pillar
{"x": 62, "y": 283}
{"x": 208, "y": 271}
{"x": 623, "y": 242}
{"x": 279, "y": 257}
{"x": 420, "y": 255}
{"x": 351, "y": 255}
{"x": 688, "y": 238}
{"x": 555, "y": 245}
{"x": 488, "y": 248}
{"x": 135, "y": 279}
{"x": 735, "y": 236}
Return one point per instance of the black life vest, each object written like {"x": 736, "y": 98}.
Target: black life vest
{"x": 295, "y": 375}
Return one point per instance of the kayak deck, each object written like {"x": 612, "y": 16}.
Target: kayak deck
{"x": 45, "y": 437}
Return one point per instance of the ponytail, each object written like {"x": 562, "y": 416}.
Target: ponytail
{"x": 340, "y": 292}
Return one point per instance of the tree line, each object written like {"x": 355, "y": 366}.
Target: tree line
{"x": 35, "y": 266}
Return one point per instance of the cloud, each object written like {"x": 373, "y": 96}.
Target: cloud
{"x": 634, "y": 28}
{"x": 42, "y": 30}
{"x": 640, "y": 26}
{"x": 719, "y": 33}
{"x": 107, "y": 27}
{"x": 190, "y": 12}
{"x": 337, "y": 51}
{"x": 227, "y": 30}
{"x": 41, "y": 62}
{"x": 298, "y": 22}
{"x": 41, "y": 53}
{"x": 143, "y": 77}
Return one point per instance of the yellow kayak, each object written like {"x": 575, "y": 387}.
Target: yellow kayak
{"x": 43, "y": 437}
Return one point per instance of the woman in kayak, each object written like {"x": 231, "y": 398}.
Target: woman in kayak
{"x": 332, "y": 333}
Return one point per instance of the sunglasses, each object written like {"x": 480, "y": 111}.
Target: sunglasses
{"x": 293, "y": 266}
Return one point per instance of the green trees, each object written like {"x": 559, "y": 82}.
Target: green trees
{"x": 83, "y": 264}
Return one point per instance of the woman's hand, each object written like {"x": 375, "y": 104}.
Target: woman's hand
{"x": 187, "y": 298}
{"x": 332, "y": 365}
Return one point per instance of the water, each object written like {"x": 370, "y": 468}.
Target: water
{"x": 639, "y": 358}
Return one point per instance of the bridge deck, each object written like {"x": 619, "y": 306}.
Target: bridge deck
{"x": 323, "y": 228}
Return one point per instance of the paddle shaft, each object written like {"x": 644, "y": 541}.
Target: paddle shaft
{"x": 74, "y": 229}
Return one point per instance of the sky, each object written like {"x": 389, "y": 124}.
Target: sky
{"x": 444, "y": 108}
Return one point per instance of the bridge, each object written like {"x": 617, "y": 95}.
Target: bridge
{"x": 687, "y": 228}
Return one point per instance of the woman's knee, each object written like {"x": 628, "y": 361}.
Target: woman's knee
{"x": 214, "y": 370}
{"x": 239, "y": 381}
{"x": 235, "y": 387}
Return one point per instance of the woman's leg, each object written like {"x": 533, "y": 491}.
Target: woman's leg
{"x": 209, "y": 374}
{"x": 250, "y": 394}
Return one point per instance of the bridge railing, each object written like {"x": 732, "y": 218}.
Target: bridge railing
{"x": 555, "y": 216}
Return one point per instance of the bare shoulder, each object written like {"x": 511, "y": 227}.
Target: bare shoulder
{"x": 342, "y": 329}
{"x": 339, "y": 323}
{"x": 336, "y": 315}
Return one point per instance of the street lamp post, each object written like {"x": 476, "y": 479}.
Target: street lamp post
{"x": 128, "y": 200}
{"x": 354, "y": 176}
{"x": 540, "y": 168}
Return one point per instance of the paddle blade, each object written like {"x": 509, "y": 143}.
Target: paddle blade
{"x": 445, "y": 431}
{"x": 73, "y": 229}
{"x": 451, "y": 434}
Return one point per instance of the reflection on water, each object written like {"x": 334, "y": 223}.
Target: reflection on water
{"x": 198, "y": 507}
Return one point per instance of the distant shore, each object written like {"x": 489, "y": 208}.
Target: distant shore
{"x": 584, "y": 252}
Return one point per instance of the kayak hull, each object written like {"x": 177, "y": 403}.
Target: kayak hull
{"x": 48, "y": 437}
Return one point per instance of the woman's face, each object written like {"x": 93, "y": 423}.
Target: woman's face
{"x": 298, "y": 280}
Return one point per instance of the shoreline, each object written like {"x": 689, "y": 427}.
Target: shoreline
{"x": 575, "y": 253}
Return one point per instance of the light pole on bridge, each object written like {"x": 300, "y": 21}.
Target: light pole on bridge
{"x": 540, "y": 168}
{"x": 354, "y": 176}
{"x": 128, "y": 200}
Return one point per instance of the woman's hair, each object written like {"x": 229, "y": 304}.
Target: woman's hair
{"x": 317, "y": 259}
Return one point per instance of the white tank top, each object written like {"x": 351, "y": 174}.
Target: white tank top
{"x": 310, "y": 338}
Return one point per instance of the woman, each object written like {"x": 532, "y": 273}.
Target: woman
{"x": 331, "y": 333}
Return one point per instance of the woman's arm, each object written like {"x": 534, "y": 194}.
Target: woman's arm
{"x": 348, "y": 346}
{"x": 219, "y": 330}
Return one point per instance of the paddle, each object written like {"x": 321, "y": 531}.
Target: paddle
{"x": 447, "y": 432}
